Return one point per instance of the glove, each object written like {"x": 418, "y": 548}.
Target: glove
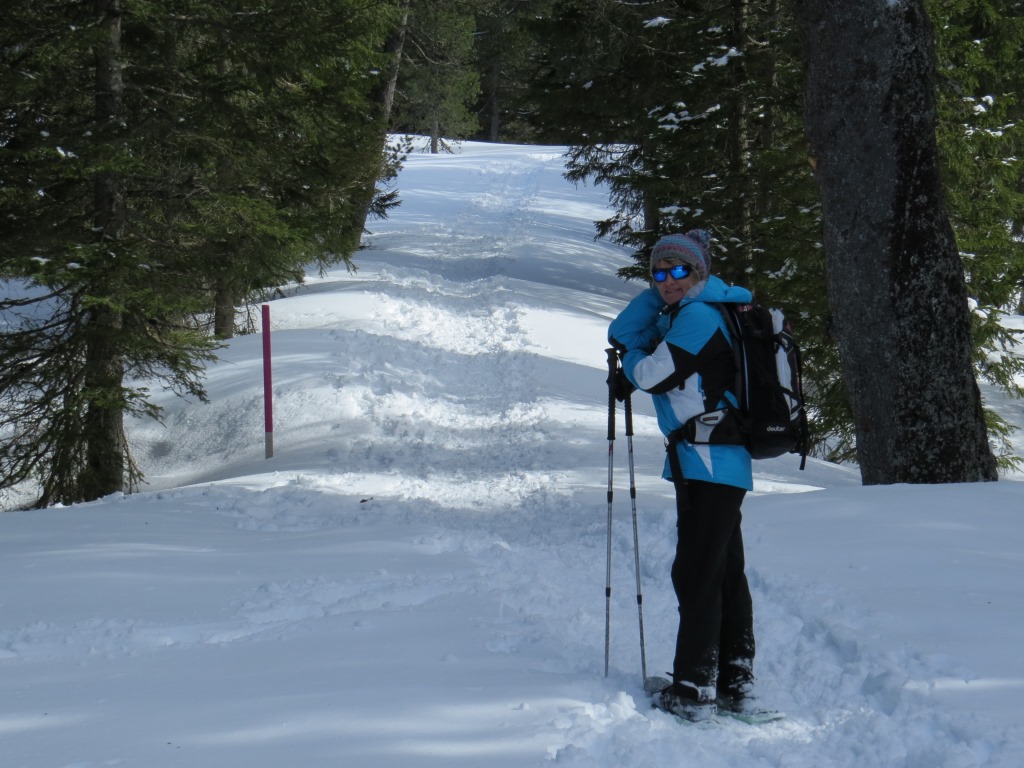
{"x": 620, "y": 386}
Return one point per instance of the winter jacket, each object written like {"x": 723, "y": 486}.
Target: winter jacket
{"x": 682, "y": 355}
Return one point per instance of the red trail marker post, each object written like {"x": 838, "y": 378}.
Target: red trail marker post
{"x": 268, "y": 390}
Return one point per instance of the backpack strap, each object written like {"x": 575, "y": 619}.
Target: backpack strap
{"x": 725, "y": 425}
{"x": 672, "y": 446}
{"x": 739, "y": 363}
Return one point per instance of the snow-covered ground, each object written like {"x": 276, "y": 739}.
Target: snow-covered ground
{"x": 417, "y": 578}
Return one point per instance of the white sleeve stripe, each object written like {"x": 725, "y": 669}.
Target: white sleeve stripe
{"x": 688, "y": 401}
{"x": 655, "y": 369}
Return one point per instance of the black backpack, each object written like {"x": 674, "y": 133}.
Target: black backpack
{"x": 771, "y": 418}
{"x": 768, "y": 381}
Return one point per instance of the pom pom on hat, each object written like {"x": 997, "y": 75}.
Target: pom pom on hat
{"x": 691, "y": 248}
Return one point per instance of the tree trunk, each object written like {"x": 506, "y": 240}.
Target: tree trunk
{"x": 895, "y": 280}
{"x": 103, "y": 423}
{"x": 1018, "y": 234}
{"x": 493, "y": 100}
{"x": 103, "y": 420}
{"x": 765, "y": 134}
{"x": 393, "y": 47}
{"x": 651, "y": 206}
{"x": 385, "y": 99}
{"x": 224, "y": 311}
{"x": 739, "y": 134}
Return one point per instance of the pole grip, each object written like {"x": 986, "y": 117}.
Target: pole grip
{"x": 613, "y": 367}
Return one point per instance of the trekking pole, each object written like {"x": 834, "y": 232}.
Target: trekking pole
{"x": 636, "y": 536}
{"x": 613, "y": 362}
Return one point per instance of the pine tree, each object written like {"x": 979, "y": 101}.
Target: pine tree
{"x": 155, "y": 154}
{"x": 92, "y": 308}
{"x": 980, "y": 44}
{"x": 377, "y": 194}
{"x": 438, "y": 81}
{"x": 505, "y": 51}
{"x": 690, "y": 113}
{"x": 279, "y": 148}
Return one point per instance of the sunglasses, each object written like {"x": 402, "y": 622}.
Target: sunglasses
{"x": 678, "y": 272}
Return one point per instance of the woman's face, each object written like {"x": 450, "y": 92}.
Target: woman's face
{"x": 673, "y": 290}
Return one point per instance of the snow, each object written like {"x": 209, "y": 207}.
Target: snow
{"x": 417, "y": 577}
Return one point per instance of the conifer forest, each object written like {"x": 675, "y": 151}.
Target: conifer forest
{"x": 164, "y": 166}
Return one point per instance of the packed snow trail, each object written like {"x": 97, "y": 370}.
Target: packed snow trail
{"x": 417, "y": 578}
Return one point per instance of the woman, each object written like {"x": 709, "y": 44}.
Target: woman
{"x": 675, "y": 345}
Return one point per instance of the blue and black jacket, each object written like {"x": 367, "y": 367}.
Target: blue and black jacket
{"x": 683, "y": 356}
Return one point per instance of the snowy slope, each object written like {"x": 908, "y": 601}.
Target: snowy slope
{"x": 417, "y": 577}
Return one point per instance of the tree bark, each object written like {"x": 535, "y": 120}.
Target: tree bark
{"x": 393, "y": 47}
{"x": 224, "y": 311}
{"x": 895, "y": 279}
{"x": 385, "y": 99}
{"x": 739, "y": 133}
{"x": 103, "y": 423}
{"x": 494, "y": 100}
{"x": 103, "y": 420}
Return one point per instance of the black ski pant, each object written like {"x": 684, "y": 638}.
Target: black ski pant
{"x": 715, "y": 644}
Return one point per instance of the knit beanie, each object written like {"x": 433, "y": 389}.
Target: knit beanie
{"x": 691, "y": 248}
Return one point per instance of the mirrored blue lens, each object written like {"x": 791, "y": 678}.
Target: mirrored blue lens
{"x": 678, "y": 272}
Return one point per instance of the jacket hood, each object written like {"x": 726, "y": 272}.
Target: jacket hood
{"x": 716, "y": 290}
